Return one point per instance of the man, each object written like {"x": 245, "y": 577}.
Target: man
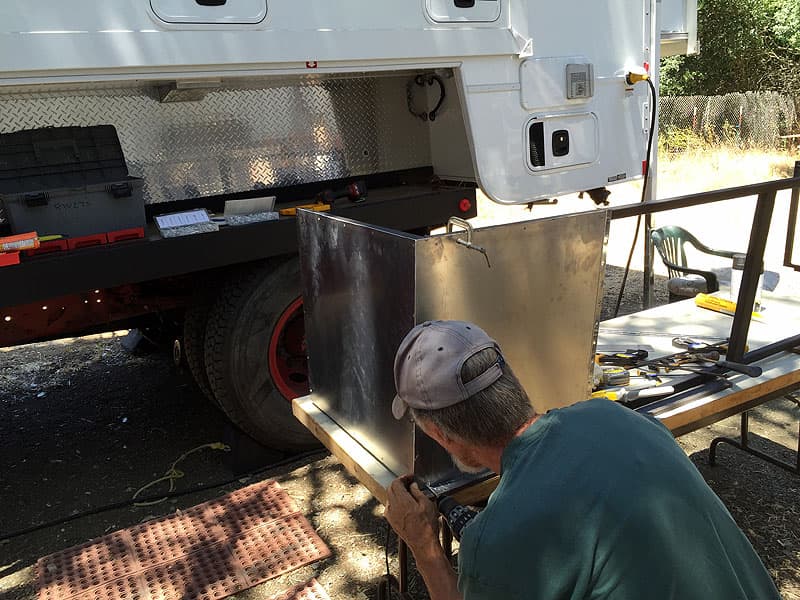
{"x": 594, "y": 500}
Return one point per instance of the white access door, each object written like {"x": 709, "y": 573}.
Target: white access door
{"x": 227, "y": 12}
{"x": 463, "y": 11}
{"x": 678, "y": 27}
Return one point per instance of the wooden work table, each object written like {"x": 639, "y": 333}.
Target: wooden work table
{"x": 652, "y": 330}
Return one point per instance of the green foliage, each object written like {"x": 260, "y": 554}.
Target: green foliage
{"x": 745, "y": 45}
{"x": 675, "y": 140}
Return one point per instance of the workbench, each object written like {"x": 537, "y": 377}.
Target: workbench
{"x": 654, "y": 331}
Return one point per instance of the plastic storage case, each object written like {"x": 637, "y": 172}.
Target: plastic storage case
{"x": 71, "y": 181}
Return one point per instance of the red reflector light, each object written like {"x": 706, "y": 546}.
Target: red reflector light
{"x": 465, "y": 205}
{"x": 644, "y": 167}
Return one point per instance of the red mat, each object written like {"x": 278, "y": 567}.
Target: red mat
{"x": 208, "y": 552}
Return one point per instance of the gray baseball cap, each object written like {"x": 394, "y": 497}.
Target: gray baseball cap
{"x": 427, "y": 366}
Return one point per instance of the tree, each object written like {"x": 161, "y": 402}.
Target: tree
{"x": 745, "y": 45}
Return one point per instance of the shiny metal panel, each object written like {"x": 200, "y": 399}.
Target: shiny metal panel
{"x": 240, "y": 136}
{"x": 358, "y": 283}
{"x": 365, "y": 287}
{"x": 540, "y": 298}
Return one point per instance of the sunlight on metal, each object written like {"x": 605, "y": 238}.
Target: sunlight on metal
{"x": 53, "y": 31}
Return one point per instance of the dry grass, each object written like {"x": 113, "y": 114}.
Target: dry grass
{"x": 710, "y": 168}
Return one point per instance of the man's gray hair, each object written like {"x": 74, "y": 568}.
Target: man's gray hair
{"x": 490, "y": 417}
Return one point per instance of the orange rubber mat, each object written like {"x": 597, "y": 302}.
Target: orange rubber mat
{"x": 208, "y": 552}
{"x": 307, "y": 591}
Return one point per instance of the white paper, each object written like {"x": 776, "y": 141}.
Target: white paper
{"x": 181, "y": 219}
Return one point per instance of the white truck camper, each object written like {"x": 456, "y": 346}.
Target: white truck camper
{"x": 418, "y": 102}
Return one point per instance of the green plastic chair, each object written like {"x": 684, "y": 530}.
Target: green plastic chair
{"x": 670, "y": 241}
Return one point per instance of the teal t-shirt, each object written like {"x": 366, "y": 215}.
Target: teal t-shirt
{"x": 597, "y": 501}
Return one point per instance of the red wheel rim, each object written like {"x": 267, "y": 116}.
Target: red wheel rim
{"x": 288, "y": 364}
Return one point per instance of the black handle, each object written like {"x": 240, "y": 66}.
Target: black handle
{"x": 38, "y": 199}
{"x": 211, "y": 2}
{"x": 464, "y": 3}
{"x": 120, "y": 190}
{"x": 739, "y": 368}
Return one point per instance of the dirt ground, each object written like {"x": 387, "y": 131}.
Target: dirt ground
{"x": 85, "y": 423}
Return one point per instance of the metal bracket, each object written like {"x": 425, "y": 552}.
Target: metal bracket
{"x": 466, "y": 226}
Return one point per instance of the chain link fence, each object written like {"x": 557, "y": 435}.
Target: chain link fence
{"x": 744, "y": 120}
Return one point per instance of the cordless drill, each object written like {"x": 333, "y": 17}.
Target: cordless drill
{"x": 456, "y": 515}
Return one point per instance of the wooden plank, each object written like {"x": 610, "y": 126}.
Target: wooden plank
{"x": 359, "y": 463}
{"x": 722, "y": 405}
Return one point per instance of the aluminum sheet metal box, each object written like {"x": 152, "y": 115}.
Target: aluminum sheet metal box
{"x": 537, "y": 291}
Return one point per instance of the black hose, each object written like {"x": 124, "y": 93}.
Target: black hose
{"x": 644, "y": 191}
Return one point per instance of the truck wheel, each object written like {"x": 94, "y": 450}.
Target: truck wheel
{"x": 194, "y": 335}
{"x": 255, "y": 354}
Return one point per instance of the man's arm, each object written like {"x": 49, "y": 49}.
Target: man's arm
{"x": 415, "y": 519}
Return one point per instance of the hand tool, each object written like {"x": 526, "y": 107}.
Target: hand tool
{"x": 22, "y": 241}
{"x": 627, "y": 395}
{"x": 692, "y": 344}
{"x": 614, "y": 376}
{"x": 356, "y": 191}
{"x": 684, "y": 362}
{"x": 317, "y": 207}
{"x": 720, "y": 305}
{"x": 629, "y": 358}
{"x": 456, "y": 515}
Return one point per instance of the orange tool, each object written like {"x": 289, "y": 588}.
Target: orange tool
{"x": 317, "y": 207}
{"x": 22, "y": 241}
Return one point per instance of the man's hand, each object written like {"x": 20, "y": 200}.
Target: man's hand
{"x": 411, "y": 514}
{"x": 416, "y": 520}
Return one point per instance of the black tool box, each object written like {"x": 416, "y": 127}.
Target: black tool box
{"x": 70, "y": 181}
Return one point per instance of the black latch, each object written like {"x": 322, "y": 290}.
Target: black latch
{"x": 211, "y": 2}
{"x": 39, "y": 199}
{"x": 120, "y": 190}
{"x": 465, "y": 3}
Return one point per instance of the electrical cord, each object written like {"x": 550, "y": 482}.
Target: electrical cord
{"x": 386, "y": 551}
{"x": 644, "y": 190}
{"x": 172, "y": 474}
{"x": 175, "y": 494}
{"x": 422, "y": 81}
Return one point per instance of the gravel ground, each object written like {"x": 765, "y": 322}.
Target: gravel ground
{"x": 85, "y": 423}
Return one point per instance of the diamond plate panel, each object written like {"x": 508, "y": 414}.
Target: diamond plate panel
{"x": 259, "y": 134}
{"x": 208, "y": 552}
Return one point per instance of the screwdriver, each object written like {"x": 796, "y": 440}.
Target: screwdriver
{"x": 626, "y": 395}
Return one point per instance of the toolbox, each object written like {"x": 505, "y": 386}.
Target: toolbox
{"x": 70, "y": 181}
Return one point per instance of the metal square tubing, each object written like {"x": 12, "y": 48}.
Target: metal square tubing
{"x": 752, "y": 271}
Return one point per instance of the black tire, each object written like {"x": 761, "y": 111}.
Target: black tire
{"x": 248, "y": 315}
{"x": 195, "y": 320}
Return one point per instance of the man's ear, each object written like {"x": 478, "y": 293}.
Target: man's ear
{"x": 434, "y": 431}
